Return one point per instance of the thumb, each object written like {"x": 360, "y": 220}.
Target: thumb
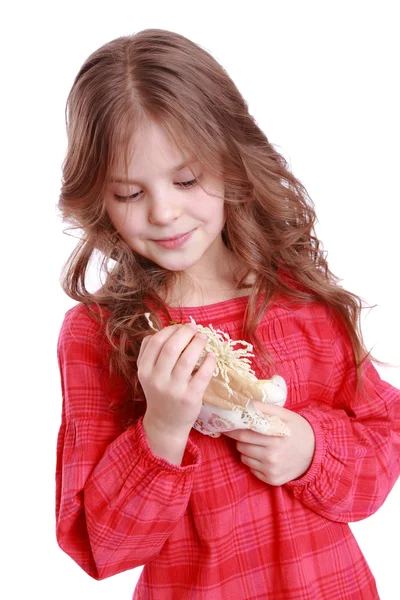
{"x": 272, "y": 410}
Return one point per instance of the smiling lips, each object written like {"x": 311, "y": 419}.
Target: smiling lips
{"x": 174, "y": 242}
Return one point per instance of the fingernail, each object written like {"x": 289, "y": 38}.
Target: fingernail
{"x": 192, "y": 326}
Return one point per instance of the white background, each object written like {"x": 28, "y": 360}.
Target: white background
{"x": 321, "y": 79}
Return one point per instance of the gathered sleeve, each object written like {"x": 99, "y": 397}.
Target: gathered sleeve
{"x": 116, "y": 502}
{"x": 357, "y": 438}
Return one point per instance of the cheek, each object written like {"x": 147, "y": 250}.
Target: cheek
{"x": 218, "y": 217}
{"x": 124, "y": 220}
{"x": 211, "y": 210}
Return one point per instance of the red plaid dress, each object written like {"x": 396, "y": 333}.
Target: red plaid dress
{"x": 209, "y": 529}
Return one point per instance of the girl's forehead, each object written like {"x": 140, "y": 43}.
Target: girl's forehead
{"x": 167, "y": 146}
{"x": 133, "y": 174}
{"x": 174, "y": 161}
{"x": 142, "y": 151}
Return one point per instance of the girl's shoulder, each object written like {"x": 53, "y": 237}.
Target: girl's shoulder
{"x": 84, "y": 322}
{"x": 313, "y": 319}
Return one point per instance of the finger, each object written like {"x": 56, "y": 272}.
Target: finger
{"x": 260, "y": 475}
{"x": 251, "y": 451}
{"x": 234, "y": 434}
{"x": 152, "y": 344}
{"x": 144, "y": 343}
{"x": 173, "y": 347}
{"x": 248, "y": 436}
{"x": 251, "y": 462}
{"x": 270, "y": 409}
{"x": 203, "y": 375}
{"x": 187, "y": 361}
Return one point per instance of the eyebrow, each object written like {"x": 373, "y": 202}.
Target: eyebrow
{"x": 173, "y": 170}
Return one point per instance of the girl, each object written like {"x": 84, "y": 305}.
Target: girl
{"x": 196, "y": 215}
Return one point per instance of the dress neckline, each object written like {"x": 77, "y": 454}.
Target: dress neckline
{"x": 228, "y": 310}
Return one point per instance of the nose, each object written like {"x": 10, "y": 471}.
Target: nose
{"x": 163, "y": 211}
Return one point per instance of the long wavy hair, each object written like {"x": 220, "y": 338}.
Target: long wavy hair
{"x": 164, "y": 77}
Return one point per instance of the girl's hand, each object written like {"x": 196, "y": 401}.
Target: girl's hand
{"x": 165, "y": 366}
{"x": 277, "y": 460}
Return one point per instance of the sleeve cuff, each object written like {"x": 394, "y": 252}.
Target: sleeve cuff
{"x": 319, "y": 453}
{"x": 190, "y": 461}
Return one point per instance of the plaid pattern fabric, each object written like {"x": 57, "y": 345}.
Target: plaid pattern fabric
{"x": 209, "y": 529}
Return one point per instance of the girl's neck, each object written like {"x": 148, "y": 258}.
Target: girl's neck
{"x": 208, "y": 297}
{"x": 210, "y": 281}
{"x": 210, "y": 291}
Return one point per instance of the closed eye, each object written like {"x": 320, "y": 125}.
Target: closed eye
{"x": 182, "y": 184}
{"x": 187, "y": 184}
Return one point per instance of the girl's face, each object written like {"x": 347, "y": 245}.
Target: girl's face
{"x": 162, "y": 213}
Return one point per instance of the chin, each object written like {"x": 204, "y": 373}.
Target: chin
{"x": 176, "y": 263}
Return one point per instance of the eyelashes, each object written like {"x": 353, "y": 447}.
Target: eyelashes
{"x": 182, "y": 184}
{"x": 186, "y": 184}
